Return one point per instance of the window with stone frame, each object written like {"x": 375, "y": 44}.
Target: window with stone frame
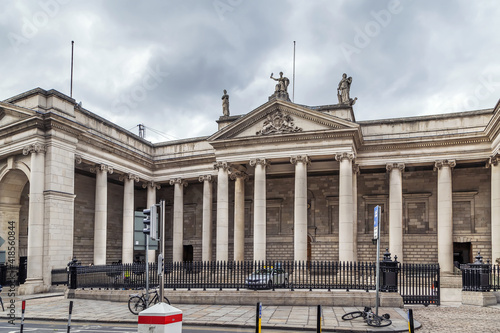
{"x": 332, "y": 204}
{"x": 273, "y": 216}
{"x": 463, "y": 212}
{"x": 191, "y": 229}
{"x": 370, "y": 203}
{"x": 416, "y": 213}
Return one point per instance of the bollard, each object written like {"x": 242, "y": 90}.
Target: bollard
{"x": 23, "y": 307}
{"x": 258, "y": 318}
{"x": 69, "y": 317}
{"x": 160, "y": 318}
{"x": 319, "y": 319}
{"x": 411, "y": 327}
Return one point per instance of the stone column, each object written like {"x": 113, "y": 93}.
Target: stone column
{"x": 178, "y": 225}
{"x": 346, "y": 222}
{"x": 36, "y": 216}
{"x": 222, "y": 231}
{"x": 101, "y": 212}
{"x": 128, "y": 218}
{"x": 396, "y": 208}
{"x": 150, "y": 201}
{"x": 300, "y": 208}
{"x": 239, "y": 214}
{"x": 259, "y": 211}
{"x": 206, "y": 238}
{"x": 495, "y": 208}
{"x": 445, "y": 214}
{"x": 355, "y": 172}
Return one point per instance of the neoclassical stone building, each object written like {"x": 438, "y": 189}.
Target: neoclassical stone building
{"x": 281, "y": 182}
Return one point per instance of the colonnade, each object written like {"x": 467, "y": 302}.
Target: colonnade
{"x": 347, "y": 211}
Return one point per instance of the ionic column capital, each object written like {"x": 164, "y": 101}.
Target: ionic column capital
{"x": 300, "y": 159}
{"x": 493, "y": 160}
{"x": 151, "y": 184}
{"x": 78, "y": 159}
{"x": 102, "y": 167}
{"x": 129, "y": 176}
{"x": 179, "y": 181}
{"x": 203, "y": 178}
{"x": 34, "y": 148}
{"x": 341, "y": 156}
{"x": 221, "y": 165}
{"x": 390, "y": 166}
{"x": 441, "y": 163}
{"x": 260, "y": 161}
{"x": 236, "y": 174}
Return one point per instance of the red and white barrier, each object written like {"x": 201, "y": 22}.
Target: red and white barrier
{"x": 160, "y": 318}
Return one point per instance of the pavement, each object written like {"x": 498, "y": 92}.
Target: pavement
{"x": 54, "y": 307}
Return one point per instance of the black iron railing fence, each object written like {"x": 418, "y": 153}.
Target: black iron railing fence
{"x": 480, "y": 277}
{"x": 229, "y": 275}
{"x": 495, "y": 277}
{"x": 417, "y": 283}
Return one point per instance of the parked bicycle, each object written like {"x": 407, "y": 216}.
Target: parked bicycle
{"x": 137, "y": 303}
{"x": 369, "y": 317}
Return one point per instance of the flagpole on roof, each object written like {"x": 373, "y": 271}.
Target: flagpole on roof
{"x": 71, "y": 83}
{"x": 293, "y": 90}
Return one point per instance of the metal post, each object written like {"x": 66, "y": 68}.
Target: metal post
{"x": 22, "y": 315}
{"x": 147, "y": 270}
{"x": 411, "y": 325}
{"x": 162, "y": 247}
{"x": 319, "y": 318}
{"x": 377, "y": 283}
{"x": 258, "y": 318}
{"x": 69, "y": 317}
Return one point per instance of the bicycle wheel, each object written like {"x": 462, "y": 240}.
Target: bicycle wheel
{"x": 378, "y": 321}
{"x": 136, "y": 304}
{"x": 352, "y": 315}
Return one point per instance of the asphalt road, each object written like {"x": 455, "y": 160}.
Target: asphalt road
{"x": 44, "y": 326}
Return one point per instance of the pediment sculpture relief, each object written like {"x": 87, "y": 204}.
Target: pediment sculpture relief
{"x": 278, "y": 123}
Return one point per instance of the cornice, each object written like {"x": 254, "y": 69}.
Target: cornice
{"x": 300, "y": 136}
{"x": 424, "y": 144}
{"x": 115, "y": 149}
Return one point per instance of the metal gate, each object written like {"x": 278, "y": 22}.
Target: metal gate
{"x": 419, "y": 284}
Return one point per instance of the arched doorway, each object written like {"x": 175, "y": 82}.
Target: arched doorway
{"x": 14, "y": 189}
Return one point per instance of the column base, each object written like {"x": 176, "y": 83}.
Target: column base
{"x": 32, "y": 286}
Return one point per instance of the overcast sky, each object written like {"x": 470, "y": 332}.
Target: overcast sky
{"x": 165, "y": 64}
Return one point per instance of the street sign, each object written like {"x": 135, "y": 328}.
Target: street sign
{"x": 376, "y": 215}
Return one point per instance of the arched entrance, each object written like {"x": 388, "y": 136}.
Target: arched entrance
{"x": 14, "y": 189}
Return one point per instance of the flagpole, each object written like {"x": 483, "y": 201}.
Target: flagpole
{"x": 293, "y": 91}
{"x": 71, "y": 84}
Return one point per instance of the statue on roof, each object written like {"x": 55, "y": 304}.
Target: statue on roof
{"x": 282, "y": 84}
{"x": 225, "y": 104}
{"x": 344, "y": 89}
{"x": 280, "y": 90}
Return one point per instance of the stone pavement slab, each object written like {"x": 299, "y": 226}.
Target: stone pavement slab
{"x": 279, "y": 317}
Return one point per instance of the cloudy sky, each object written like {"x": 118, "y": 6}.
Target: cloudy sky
{"x": 165, "y": 64}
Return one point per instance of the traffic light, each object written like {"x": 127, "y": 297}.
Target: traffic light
{"x": 151, "y": 222}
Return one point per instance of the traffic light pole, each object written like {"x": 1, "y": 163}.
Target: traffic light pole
{"x": 162, "y": 249}
{"x": 147, "y": 270}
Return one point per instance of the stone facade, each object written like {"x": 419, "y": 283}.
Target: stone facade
{"x": 281, "y": 182}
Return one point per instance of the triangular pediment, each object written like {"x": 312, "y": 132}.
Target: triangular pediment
{"x": 10, "y": 114}
{"x": 279, "y": 117}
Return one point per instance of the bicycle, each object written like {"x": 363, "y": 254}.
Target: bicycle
{"x": 137, "y": 303}
{"x": 369, "y": 317}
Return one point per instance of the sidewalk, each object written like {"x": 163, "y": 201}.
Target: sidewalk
{"x": 279, "y": 317}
